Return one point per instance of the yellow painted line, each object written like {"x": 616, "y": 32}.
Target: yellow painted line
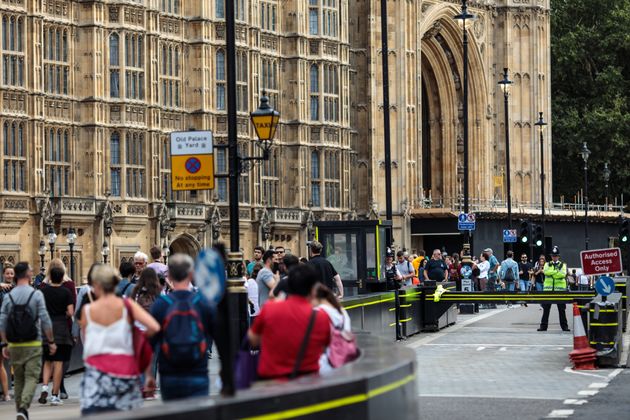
{"x": 603, "y": 310}
{"x": 401, "y": 321}
{"x": 602, "y": 324}
{"x": 405, "y": 306}
{"x": 375, "y": 302}
{"x": 332, "y": 404}
{"x": 609, "y": 343}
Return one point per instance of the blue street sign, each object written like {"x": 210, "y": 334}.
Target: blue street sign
{"x": 509, "y": 235}
{"x": 466, "y": 221}
{"x": 210, "y": 275}
{"x": 605, "y": 285}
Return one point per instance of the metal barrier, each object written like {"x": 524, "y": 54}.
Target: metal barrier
{"x": 622, "y": 285}
{"x": 381, "y": 380}
{"x": 604, "y": 328}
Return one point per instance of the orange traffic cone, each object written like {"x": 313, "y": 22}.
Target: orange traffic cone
{"x": 582, "y": 356}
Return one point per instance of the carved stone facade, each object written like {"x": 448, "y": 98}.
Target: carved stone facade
{"x": 91, "y": 90}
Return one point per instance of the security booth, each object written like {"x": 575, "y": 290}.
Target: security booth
{"x": 356, "y": 248}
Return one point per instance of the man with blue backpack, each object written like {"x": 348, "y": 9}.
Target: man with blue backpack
{"x": 186, "y": 320}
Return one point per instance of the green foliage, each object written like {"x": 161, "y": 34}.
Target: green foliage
{"x": 590, "y": 86}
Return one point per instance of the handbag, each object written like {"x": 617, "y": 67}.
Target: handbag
{"x": 142, "y": 351}
{"x": 342, "y": 348}
{"x": 302, "y": 351}
{"x": 246, "y": 368}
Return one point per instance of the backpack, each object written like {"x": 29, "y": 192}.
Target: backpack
{"x": 509, "y": 275}
{"x": 184, "y": 342}
{"x": 21, "y": 326}
{"x": 342, "y": 348}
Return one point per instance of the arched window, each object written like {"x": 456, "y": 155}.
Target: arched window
{"x": 315, "y": 181}
{"x": 58, "y": 45}
{"x": 13, "y": 147}
{"x": 113, "y": 49}
{"x": 177, "y": 62}
{"x": 19, "y": 34}
{"x": 114, "y": 149}
{"x": 220, "y": 76}
{"x": 5, "y": 34}
{"x": 170, "y": 61}
{"x": 58, "y": 147}
{"x": 314, "y": 93}
{"x": 51, "y": 144}
{"x": 65, "y": 45}
{"x": 164, "y": 59}
{"x": 20, "y": 141}
{"x": 12, "y": 34}
{"x": 66, "y": 147}
{"x": 140, "y": 61}
{"x": 5, "y": 137}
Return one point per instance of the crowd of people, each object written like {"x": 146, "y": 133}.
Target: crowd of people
{"x": 488, "y": 273}
{"x": 293, "y": 310}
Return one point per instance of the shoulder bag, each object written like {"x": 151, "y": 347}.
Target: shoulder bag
{"x": 142, "y": 351}
{"x": 302, "y": 351}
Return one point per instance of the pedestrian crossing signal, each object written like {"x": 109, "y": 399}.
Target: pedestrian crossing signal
{"x": 624, "y": 230}
{"x": 538, "y": 235}
{"x": 524, "y": 231}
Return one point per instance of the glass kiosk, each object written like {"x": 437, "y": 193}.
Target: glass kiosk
{"x": 357, "y": 251}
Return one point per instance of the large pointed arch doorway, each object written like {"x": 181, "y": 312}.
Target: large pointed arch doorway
{"x": 185, "y": 244}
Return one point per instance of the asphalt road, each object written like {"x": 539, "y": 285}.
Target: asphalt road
{"x": 495, "y": 365}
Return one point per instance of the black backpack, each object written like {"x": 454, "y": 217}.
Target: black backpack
{"x": 509, "y": 275}
{"x": 21, "y": 326}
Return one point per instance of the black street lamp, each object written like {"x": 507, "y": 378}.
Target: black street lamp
{"x": 585, "y": 154}
{"x": 542, "y": 124}
{"x": 42, "y": 255}
{"x": 462, "y": 18}
{"x": 71, "y": 237}
{"x": 52, "y": 238}
{"x": 105, "y": 251}
{"x": 505, "y": 87}
{"x": 606, "y": 174}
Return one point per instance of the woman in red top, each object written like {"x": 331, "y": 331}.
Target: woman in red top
{"x": 281, "y": 327}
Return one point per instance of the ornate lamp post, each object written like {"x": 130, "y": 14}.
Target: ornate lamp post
{"x": 105, "y": 251}
{"x": 606, "y": 174}
{"x": 42, "y": 255}
{"x": 71, "y": 237}
{"x": 585, "y": 154}
{"x": 52, "y": 238}
{"x": 505, "y": 84}
{"x": 165, "y": 251}
{"x": 541, "y": 124}
{"x": 462, "y": 18}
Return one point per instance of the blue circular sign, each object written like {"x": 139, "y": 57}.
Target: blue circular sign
{"x": 466, "y": 271}
{"x": 210, "y": 275}
{"x": 193, "y": 165}
{"x": 605, "y": 285}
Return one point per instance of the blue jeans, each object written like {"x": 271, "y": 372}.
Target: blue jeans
{"x": 524, "y": 285}
{"x": 539, "y": 287}
{"x": 180, "y": 387}
{"x": 510, "y": 286}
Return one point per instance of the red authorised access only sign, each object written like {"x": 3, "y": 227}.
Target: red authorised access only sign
{"x": 601, "y": 261}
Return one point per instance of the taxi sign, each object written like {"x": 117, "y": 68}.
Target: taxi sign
{"x": 192, "y": 161}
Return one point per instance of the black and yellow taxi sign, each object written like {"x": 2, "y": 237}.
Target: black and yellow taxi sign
{"x": 192, "y": 161}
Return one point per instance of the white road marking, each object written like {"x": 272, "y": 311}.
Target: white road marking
{"x": 480, "y": 348}
{"x": 503, "y": 349}
{"x": 494, "y": 345}
{"x": 559, "y": 414}
{"x": 588, "y": 392}
{"x": 577, "y": 372}
{"x": 489, "y": 396}
{"x": 614, "y": 373}
{"x": 573, "y": 401}
{"x": 432, "y": 337}
{"x": 598, "y": 385}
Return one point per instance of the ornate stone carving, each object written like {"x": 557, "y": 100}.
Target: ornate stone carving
{"x": 170, "y": 25}
{"x": 134, "y": 15}
{"x": 76, "y": 206}
{"x": 265, "y": 224}
{"x": 137, "y": 209}
{"x": 113, "y": 13}
{"x": 13, "y": 102}
{"x": 108, "y": 215}
{"x": 215, "y": 223}
{"x": 46, "y": 209}
{"x": 190, "y": 211}
{"x": 56, "y": 7}
{"x": 15, "y": 204}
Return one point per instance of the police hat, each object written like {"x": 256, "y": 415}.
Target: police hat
{"x": 555, "y": 250}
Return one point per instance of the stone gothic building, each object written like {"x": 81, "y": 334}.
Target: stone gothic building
{"x": 90, "y": 90}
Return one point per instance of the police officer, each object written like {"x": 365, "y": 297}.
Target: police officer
{"x": 392, "y": 275}
{"x": 555, "y": 272}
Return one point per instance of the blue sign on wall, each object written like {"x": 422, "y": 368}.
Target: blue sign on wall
{"x": 466, "y": 221}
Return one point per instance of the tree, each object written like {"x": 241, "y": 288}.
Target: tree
{"x": 590, "y": 69}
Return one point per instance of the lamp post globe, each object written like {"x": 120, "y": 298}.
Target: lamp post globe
{"x": 42, "y": 254}
{"x": 52, "y": 238}
{"x": 265, "y": 120}
{"x": 105, "y": 252}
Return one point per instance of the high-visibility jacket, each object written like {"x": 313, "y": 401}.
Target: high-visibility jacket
{"x": 555, "y": 276}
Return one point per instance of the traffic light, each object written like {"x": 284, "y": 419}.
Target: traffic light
{"x": 524, "y": 231}
{"x": 624, "y": 230}
{"x": 537, "y": 235}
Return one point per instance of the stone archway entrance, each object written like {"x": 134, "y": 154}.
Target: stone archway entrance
{"x": 185, "y": 245}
